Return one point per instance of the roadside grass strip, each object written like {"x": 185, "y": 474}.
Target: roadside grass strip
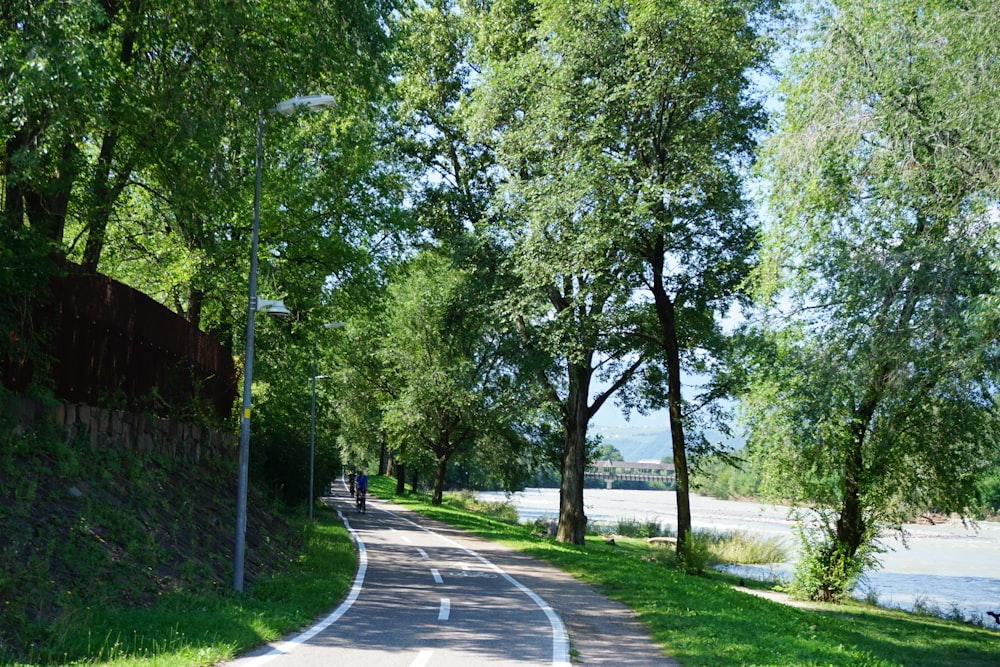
{"x": 289, "y": 645}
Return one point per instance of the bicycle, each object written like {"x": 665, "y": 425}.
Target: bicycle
{"x": 360, "y": 500}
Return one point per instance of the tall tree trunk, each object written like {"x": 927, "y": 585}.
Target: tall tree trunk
{"x": 851, "y": 523}
{"x": 195, "y": 300}
{"x": 105, "y": 194}
{"x": 677, "y": 442}
{"x": 572, "y": 519}
{"x": 666, "y": 314}
{"x": 383, "y": 455}
{"x": 46, "y": 203}
{"x": 439, "y": 471}
{"x": 13, "y": 200}
{"x": 683, "y": 484}
{"x": 400, "y": 479}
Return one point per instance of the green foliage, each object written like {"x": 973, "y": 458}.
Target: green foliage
{"x": 623, "y": 204}
{"x": 827, "y": 570}
{"x": 730, "y": 477}
{"x": 447, "y": 390}
{"x": 743, "y": 548}
{"x": 987, "y": 501}
{"x": 694, "y": 555}
{"x": 467, "y": 500}
{"x": 872, "y": 379}
{"x": 605, "y": 452}
{"x": 630, "y": 528}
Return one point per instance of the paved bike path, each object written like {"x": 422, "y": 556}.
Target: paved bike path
{"x": 601, "y": 631}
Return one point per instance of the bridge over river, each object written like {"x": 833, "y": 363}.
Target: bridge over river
{"x": 632, "y": 471}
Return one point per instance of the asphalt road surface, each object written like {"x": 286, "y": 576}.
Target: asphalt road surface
{"x": 428, "y": 595}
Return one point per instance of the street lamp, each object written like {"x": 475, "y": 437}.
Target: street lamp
{"x": 312, "y": 420}
{"x": 314, "y": 103}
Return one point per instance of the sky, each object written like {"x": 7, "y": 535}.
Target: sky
{"x": 610, "y": 416}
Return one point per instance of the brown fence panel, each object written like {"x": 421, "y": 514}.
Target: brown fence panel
{"x": 110, "y": 344}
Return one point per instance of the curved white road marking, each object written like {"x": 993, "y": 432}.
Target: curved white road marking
{"x": 560, "y": 640}
{"x": 359, "y": 580}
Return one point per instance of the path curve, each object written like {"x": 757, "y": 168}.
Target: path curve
{"x": 601, "y": 631}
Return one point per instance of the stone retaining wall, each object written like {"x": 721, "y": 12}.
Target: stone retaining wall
{"x": 121, "y": 430}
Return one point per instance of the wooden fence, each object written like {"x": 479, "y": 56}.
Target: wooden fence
{"x": 101, "y": 342}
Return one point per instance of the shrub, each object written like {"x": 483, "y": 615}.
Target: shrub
{"x": 469, "y": 500}
{"x": 696, "y": 555}
{"x": 633, "y": 528}
{"x": 825, "y": 571}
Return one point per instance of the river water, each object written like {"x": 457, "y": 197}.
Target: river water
{"x": 949, "y": 567}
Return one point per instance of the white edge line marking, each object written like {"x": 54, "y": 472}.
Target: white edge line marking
{"x": 437, "y": 576}
{"x": 560, "y": 640}
{"x": 422, "y": 659}
{"x": 359, "y": 580}
{"x": 445, "y": 609}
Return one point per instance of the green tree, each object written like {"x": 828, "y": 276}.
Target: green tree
{"x": 623, "y": 128}
{"x": 452, "y": 179}
{"x": 132, "y": 124}
{"x": 872, "y": 390}
{"x": 606, "y": 452}
{"x": 454, "y": 390}
{"x": 129, "y": 146}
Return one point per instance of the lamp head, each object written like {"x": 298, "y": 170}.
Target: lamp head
{"x": 275, "y": 308}
{"x": 311, "y": 102}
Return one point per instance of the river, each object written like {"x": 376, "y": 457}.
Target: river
{"x": 949, "y": 567}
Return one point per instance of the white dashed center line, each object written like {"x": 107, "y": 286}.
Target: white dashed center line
{"x": 445, "y": 609}
{"x": 437, "y": 576}
{"x": 402, "y": 536}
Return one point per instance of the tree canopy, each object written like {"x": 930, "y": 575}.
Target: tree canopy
{"x": 525, "y": 209}
{"x": 873, "y": 395}
{"x": 622, "y": 128}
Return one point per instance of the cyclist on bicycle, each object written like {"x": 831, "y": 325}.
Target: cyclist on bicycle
{"x": 361, "y": 483}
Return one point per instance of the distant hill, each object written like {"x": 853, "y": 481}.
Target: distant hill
{"x": 645, "y": 444}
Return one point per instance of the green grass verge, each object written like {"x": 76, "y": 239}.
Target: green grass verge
{"x": 193, "y": 628}
{"x": 703, "y": 621}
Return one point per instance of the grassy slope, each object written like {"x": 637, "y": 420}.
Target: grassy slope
{"x": 105, "y": 554}
{"x": 703, "y": 621}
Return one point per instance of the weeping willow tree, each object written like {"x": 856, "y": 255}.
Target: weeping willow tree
{"x": 872, "y": 392}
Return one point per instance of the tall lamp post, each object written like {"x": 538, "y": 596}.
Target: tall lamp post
{"x": 287, "y": 107}
{"x": 312, "y": 420}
